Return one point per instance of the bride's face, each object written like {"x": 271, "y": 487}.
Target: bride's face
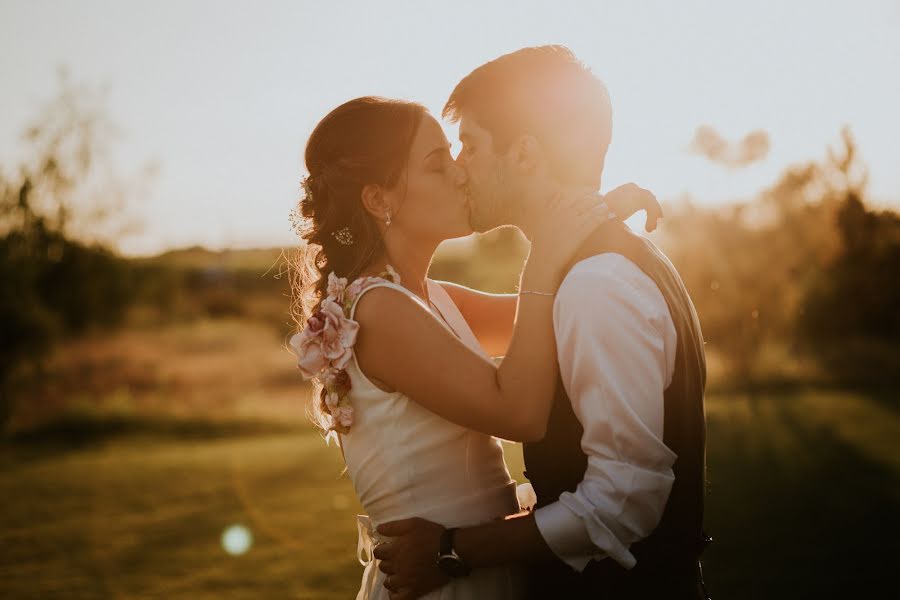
{"x": 430, "y": 196}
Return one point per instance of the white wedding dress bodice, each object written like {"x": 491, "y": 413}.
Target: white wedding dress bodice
{"x": 406, "y": 461}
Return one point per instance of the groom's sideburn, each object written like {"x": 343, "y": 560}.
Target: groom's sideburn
{"x": 668, "y": 560}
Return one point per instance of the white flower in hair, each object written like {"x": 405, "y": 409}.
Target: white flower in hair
{"x": 336, "y": 287}
{"x": 394, "y": 276}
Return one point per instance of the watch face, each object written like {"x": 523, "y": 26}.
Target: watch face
{"x": 452, "y": 566}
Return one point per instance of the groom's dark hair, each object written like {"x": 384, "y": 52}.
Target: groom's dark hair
{"x": 529, "y": 90}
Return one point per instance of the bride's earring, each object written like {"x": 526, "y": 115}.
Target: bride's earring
{"x": 387, "y": 219}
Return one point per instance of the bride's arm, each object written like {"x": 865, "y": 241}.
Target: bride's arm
{"x": 490, "y": 316}
{"x": 405, "y": 347}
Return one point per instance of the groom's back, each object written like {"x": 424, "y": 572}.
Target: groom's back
{"x": 557, "y": 463}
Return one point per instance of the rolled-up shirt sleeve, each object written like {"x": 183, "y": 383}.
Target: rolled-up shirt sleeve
{"x": 616, "y": 346}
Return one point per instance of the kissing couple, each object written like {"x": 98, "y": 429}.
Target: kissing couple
{"x": 602, "y": 374}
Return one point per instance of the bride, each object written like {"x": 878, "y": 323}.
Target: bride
{"x": 402, "y": 363}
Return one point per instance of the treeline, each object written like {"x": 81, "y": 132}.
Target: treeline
{"x": 59, "y": 282}
{"x": 802, "y": 282}
{"x": 56, "y": 283}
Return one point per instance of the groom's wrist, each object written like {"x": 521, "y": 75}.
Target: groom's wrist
{"x": 515, "y": 539}
{"x": 449, "y": 560}
{"x": 480, "y": 546}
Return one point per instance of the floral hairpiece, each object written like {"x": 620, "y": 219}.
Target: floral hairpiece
{"x": 343, "y": 236}
{"x": 325, "y": 346}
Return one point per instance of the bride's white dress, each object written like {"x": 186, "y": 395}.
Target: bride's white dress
{"x": 406, "y": 461}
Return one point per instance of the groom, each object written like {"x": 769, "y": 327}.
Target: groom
{"x": 619, "y": 475}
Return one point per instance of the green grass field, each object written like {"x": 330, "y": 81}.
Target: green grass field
{"x": 139, "y": 449}
{"x": 803, "y": 503}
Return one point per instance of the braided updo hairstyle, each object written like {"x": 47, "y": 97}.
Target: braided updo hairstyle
{"x": 361, "y": 142}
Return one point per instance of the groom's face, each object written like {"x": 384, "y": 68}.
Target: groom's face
{"x": 490, "y": 188}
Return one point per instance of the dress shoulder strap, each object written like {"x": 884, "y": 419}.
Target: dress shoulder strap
{"x": 377, "y": 282}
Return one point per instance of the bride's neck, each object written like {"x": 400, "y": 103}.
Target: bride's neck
{"x": 409, "y": 260}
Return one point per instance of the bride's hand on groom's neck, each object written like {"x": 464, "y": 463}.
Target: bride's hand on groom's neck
{"x": 630, "y": 198}
{"x": 568, "y": 217}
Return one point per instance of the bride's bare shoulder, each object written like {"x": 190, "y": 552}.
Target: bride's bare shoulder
{"x": 386, "y": 304}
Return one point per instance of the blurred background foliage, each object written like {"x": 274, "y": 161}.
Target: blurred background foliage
{"x": 797, "y": 284}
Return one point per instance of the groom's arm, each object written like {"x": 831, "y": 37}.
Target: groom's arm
{"x": 616, "y": 347}
{"x": 409, "y": 558}
{"x": 516, "y": 539}
{"x": 616, "y": 343}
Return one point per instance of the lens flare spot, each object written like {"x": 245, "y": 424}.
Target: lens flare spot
{"x": 236, "y": 539}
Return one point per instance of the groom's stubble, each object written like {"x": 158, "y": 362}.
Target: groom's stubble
{"x": 490, "y": 202}
{"x": 516, "y": 201}
{"x": 507, "y": 199}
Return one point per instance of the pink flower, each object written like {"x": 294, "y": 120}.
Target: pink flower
{"x": 338, "y": 335}
{"x": 338, "y": 381}
{"x": 327, "y": 340}
{"x": 332, "y": 399}
{"x": 307, "y": 345}
{"x": 316, "y": 322}
{"x": 342, "y": 418}
{"x": 336, "y": 286}
{"x": 392, "y": 274}
{"x": 355, "y": 288}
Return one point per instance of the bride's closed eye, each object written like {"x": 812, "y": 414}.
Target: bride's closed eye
{"x": 437, "y": 163}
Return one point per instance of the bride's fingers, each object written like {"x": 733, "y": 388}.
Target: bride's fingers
{"x": 654, "y": 213}
{"x": 587, "y": 221}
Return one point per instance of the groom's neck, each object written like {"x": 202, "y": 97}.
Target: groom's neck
{"x": 531, "y": 205}
{"x": 532, "y": 209}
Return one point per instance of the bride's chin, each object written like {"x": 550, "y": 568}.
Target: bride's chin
{"x": 462, "y": 232}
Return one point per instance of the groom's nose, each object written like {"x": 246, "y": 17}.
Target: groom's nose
{"x": 461, "y": 176}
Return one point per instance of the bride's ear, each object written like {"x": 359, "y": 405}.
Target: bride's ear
{"x": 373, "y": 201}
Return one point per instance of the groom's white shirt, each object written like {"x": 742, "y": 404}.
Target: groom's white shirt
{"x": 616, "y": 345}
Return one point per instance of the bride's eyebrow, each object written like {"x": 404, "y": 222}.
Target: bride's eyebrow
{"x": 438, "y": 149}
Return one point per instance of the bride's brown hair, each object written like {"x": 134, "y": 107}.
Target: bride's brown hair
{"x": 364, "y": 141}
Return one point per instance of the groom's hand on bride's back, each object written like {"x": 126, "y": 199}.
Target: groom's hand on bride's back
{"x": 630, "y": 198}
{"x": 409, "y": 559}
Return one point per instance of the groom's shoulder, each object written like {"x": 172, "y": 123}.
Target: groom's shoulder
{"x": 605, "y": 255}
{"x": 607, "y": 269}
{"x": 599, "y": 273}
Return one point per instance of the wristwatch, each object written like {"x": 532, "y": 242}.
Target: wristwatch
{"x": 449, "y": 562}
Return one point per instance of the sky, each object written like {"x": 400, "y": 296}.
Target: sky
{"x": 223, "y": 95}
